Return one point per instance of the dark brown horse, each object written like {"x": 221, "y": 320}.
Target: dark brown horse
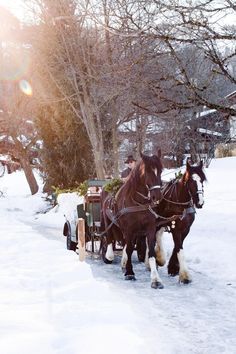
{"x": 131, "y": 214}
{"x": 180, "y": 197}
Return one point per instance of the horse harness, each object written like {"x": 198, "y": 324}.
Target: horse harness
{"x": 114, "y": 216}
{"x": 185, "y": 208}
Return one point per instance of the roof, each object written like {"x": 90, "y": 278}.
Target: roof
{"x": 209, "y": 132}
{"x": 205, "y": 113}
{"x": 231, "y": 94}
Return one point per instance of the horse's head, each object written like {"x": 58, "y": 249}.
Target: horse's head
{"x": 194, "y": 178}
{"x": 150, "y": 169}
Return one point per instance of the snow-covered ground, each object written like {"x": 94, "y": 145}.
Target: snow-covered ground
{"x": 52, "y": 303}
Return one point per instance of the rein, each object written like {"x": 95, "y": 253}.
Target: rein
{"x": 171, "y": 201}
{"x": 132, "y": 209}
{"x": 176, "y": 203}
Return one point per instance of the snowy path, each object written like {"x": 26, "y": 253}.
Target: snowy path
{"x": 199, "y": 317}
{"x": 50, "y": 303}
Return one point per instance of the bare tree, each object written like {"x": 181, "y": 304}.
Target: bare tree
{"x": 119, "y": 60}
{"x": 17, "y": 134}
{"x": 200, "y": 26}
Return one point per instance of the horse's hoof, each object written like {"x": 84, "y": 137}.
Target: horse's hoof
{"x": 173, "y": 274}
{"x": 173, "y": 271}
{"x": 157, "y": 285}
{"x": 186, "y": 281}
{"x": 161, "y": 263}
{"x": 107, "y": 261}
{"x": 130, "y": 277}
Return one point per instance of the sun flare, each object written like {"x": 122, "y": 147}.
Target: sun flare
{"x": 25, "y": 87}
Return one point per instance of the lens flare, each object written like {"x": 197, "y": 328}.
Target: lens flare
{"x": 15, "y": 64}
{"x": 26, "y": 87}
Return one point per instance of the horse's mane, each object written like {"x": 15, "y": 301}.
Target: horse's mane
{"x": 194, "y": 170}
{"x": 168, "y": 186}
{"x": 146, "y": 164}
{"x": 132, "y": 181}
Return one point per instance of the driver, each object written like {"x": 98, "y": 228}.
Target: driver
{"x": 131, "y": 162}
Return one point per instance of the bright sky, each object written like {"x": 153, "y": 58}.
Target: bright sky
{"x": 17, "y": 7}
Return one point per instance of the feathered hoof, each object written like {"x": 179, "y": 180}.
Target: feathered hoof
{"x": 157, "y": 285}
{"x": 130, "y": 277}
{"x": 107, "y": 261}
{"x": 161, "y": 263}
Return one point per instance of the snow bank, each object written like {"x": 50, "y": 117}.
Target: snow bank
{"x": 51, "y": 303}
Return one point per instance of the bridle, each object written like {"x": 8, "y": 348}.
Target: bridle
{"x": 186, "y": 183}
{"x": 200, "y": 191}
{"x": 149, "y": 189}
{"x": 157, "y": 186}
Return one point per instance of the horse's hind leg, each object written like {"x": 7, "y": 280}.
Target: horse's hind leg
{"x": 146, "y": 257}
{"x": 109, "y": 255}
{"x": 124, "y": 258}
{"x": 160, "y": 254}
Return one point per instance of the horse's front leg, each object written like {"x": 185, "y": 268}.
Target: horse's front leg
{"x": 184, "y": 276}
{"x": 141, "y": 247}
{"x": 127, "y": 255}
{"x": 156, "y": 281}
{"x": 173, "y": 265}
{"x": 178, "y": 255}
{"x": 109, "y": 257}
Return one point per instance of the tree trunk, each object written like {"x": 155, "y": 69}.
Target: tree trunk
{"x": 29, "y": 176}
{"x": 115, "y": 152}
{"x": 94, "y": 130}
{"x": 16, "y": 150}
{"x": 141, "y": 126}
{"x": 99, "y": 162}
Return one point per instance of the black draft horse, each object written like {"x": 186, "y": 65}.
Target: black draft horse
{"x": 131, "y": 214}
{"x": 179, "y": 197}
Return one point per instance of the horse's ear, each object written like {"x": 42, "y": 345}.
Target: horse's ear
{"x": 188, "y": 166}
{"x": 157, "y": 152}
{"x": 201, "y": 164}
{"x": 141, "y": 154}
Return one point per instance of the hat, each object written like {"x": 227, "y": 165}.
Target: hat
{"x": 130, "y": 159}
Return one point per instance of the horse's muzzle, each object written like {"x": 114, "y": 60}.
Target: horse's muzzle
{"x": 199, "y": 206}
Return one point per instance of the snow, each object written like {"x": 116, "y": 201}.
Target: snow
{"x": 50, "y": 303}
